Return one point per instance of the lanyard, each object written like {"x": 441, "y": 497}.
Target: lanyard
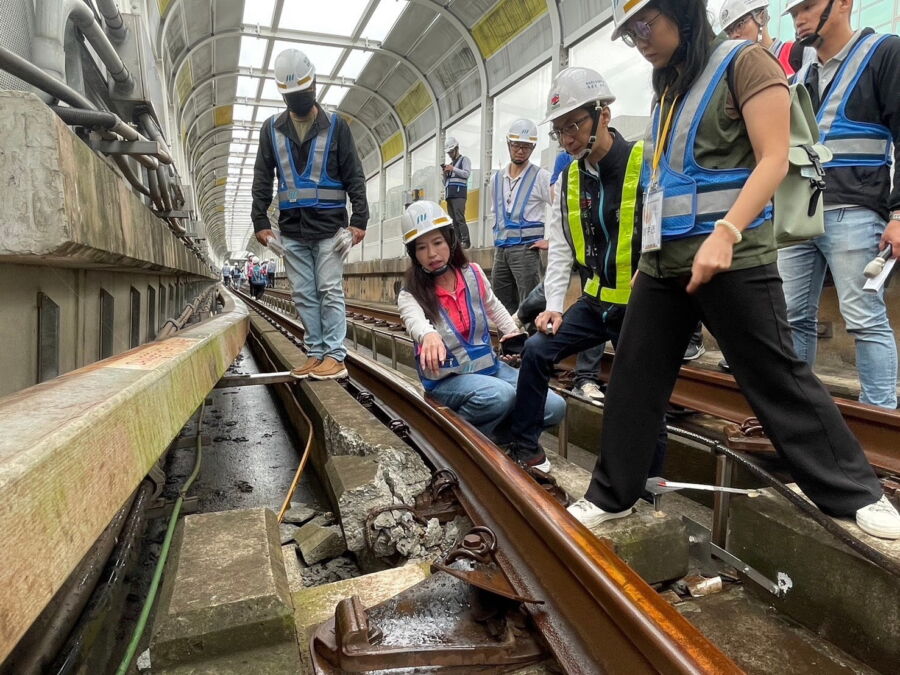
{"x": 662, "y": 135}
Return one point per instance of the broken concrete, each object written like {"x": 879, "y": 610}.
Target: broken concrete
{"x": 225, "y": 592}
{"x": 833, "y": 591}
{"x": 299, "y": 514}
{"x": 318, "y": 543}
{"x": 286, "y": 532}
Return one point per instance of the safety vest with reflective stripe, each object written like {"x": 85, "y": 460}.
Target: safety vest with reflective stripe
{"x": 576, "y": 229}
{"x": 466, "y": 354}
{"x": 313, "y": 188}
{"x": 510, "y": 227}
{"x": 694, "y": 198}
{"x": 852, "y": 143}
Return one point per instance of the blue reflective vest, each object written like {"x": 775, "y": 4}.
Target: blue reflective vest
{"x": 466, "y": 354}
{"x": 510, "y": 226}
{"x": 313, "y": 188}
{"x": 694, "y": 198}
{"x": 852, "y": 143}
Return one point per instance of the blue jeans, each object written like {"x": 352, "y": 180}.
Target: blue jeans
{"x": 486, "y": 401}
{"x": 316, "y": 272}
{"x": 850, "y": 241}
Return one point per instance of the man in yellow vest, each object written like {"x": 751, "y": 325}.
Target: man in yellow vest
{"x": 599, "y": 190}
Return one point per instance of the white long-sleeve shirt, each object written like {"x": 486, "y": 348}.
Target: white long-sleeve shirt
{"x": 559, "y": 258}
{"x": 418, "y": 326}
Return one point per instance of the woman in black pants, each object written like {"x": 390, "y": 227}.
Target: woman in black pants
{"x": 718, "y": 150}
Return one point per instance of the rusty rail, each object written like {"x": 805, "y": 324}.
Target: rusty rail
{"x": 598, "y": 614}
{"x": 718, "y": 394}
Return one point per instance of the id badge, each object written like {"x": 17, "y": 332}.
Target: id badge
{"x": 651, "y": 230}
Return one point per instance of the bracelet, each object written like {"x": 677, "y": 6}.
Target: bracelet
{"x": 895, "y": 215}
{"x": 731, "y": 228}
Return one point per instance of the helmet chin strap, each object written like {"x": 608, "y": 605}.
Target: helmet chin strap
{"x": 813, "y": 39}
{"x": 440, "y": 271}
{"x": 593, "y": 139}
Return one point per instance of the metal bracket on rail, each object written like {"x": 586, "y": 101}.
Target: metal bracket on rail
{"x": 748, "y": 436}
{"x": 440, "y": 499}
{"x": 466, "y": 615}
{"x": 705, "y": 550}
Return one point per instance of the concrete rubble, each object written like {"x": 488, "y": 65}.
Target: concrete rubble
{"x": 319, "y": 542}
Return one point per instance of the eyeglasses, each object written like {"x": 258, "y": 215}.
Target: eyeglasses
{"x": 569, "y": 130}
{"x": 738, "y": 25}
{"x": 524, "y": 147}
{"x": 639, "y": 30}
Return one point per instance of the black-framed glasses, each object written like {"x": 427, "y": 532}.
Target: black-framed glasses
{"x": 570, "y": 130}
{"x": 639, "y": 30}
{"x": 524, "y": 147}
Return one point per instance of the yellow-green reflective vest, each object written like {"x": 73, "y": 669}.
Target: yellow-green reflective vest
{"x": 575, "y": 229}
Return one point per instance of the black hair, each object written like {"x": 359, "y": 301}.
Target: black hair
{"x": 696, "y": 44}
{"x": 421, "y": 284}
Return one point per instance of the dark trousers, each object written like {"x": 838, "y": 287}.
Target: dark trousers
{"x": 257, "y": 290}
{"x": 457, "y": 208}
{"x": 516, "y": 272}
{"x": 745, "y": 310}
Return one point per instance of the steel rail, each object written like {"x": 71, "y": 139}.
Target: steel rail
{"x": 719, "y": 395}
{"x": 598, "y": 615}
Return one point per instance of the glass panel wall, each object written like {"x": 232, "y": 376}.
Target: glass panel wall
{"x": 425, "y": 174}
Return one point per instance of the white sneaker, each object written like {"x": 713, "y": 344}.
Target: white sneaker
{"x": 879, "y": 519}
{"x": 591, "y": 515}
{"x": 590, "y": 391}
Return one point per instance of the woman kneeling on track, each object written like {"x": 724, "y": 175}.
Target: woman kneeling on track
{"x": 445, "y": 306}
{"x": 720, "y": 136}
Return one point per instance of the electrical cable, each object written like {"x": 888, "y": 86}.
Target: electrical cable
{"x": 139, "y": 628}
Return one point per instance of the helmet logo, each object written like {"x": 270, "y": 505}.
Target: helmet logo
{"x": 555, "y": 99}
{"x": 421, "y": 218}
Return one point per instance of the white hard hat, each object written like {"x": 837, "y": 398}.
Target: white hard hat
{"x": 254, "y": 260}
{"x": 573, "y": 88}
{"x": 450, "y": 143}
{"x": 624, "y": 10}
{"x": 733, "y": 10}
{"x": 422, "y": 217}
{"x": 293, "y": 71}
{"x": 790, "y": 4}
{"x": 523, "y": 131}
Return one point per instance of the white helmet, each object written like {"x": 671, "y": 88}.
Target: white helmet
{"x": 254, "y": 260}
{"x": 733, "y": 10}
{"x": 523, "y": 131}
{"x": 421, "y": 218}
{"x": 624, "y": 10}
{"x": 450, "y": 143}
{"x": 575, "y": 87}
{"x": 293, "y": 71}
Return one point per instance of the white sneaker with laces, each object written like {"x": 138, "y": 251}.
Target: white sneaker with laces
{"x": 879, "y": 519}
{"x": 590, "y": 515}
{"x": 590, "y": 391}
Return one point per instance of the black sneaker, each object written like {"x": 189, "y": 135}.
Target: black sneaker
{"x": 694, "y": 351}
{"x": 532, "y": 459}
{"x": 723, "y": 364}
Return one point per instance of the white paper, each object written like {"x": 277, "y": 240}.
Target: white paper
{"x": 874, "y": 285}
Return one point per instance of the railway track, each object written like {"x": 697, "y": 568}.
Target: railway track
{"x": 717, "y": 394}
{"x": 593, "y": 612}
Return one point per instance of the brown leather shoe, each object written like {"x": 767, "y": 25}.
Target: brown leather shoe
{"x": 329, "y": 369}
{"x": 304, "y": 370}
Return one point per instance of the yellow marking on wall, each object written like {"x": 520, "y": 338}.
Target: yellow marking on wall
{"x": 413, "y": 103}
{"x": 392, "y": 147}
{"x": 221, "y": 181}
{"x": 223, "y": 115}
{"x": 163, "y": 6}
{"x": 184, "y": 82}
{"x": 473, "y": 202}
{"x": 220, "y": 209}
{"x": 499, "y": 26}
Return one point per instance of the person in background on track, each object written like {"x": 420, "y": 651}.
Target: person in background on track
{"x": 749, "y": 20}
{"x": 445, "y": 305}
{"x": 854, "y": 85}
{"x": 242, "y": 280}
{"x": 226, "y": 274}
{"x": 456, "y": 190}
{"x": 235, "y": 276}
{"x": 701, "y": 264}
{"x": 591, "y": 225}
{"x": 257, "y": 275}
{"x": 314, "y": 157}
{"x": 519, "y": 197}
{"x": 271, "y": 266}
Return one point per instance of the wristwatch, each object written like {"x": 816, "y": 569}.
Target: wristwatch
{"x": 895, "y": 215}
